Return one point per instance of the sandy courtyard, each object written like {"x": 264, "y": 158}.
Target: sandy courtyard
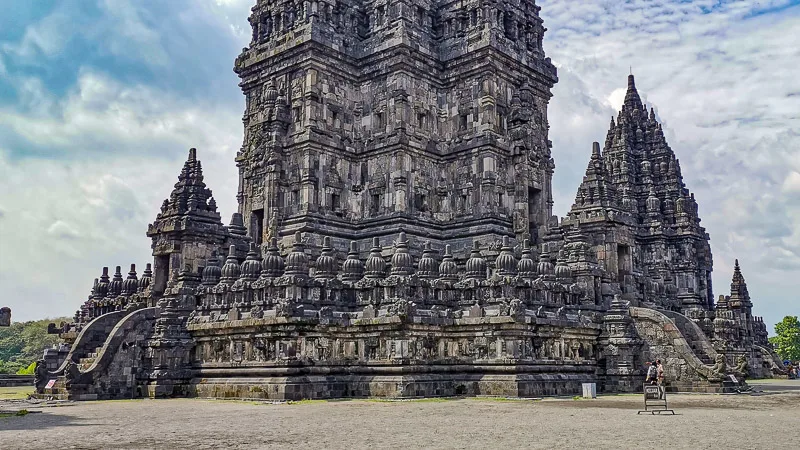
{"x": 770, "y": 420}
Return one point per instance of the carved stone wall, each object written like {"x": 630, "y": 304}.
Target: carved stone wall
{"x": 364, "y": 357}
{"x": 365, "y": 134}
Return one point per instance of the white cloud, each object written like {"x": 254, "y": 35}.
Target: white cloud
{"x": 44, "y": 38}
{"x": 122, "y": 30}
{"x": 127, "y": 33}
{"x": 116, "y": 151}
{"x": 792, "y": 183}
{"x": 617, "y": 98}
{"x": 235, "y": 13}
{"x": 61, "y": 229}
{"x": 102, "y": 115}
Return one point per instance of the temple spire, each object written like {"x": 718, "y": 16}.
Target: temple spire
{"x": 596, "y": 167}
{"x": 737, "y": 271}
{"x": 595, "y": 191}
{"x": 632, "y": 99}
{"x": 740, "y": 297}
{"x": 187, "y": 229}
{"x": 190, "y": 194}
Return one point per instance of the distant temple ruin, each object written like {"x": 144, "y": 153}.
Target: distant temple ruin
{"x": 395, "y": 234}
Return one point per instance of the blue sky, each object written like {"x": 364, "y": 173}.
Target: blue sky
{"x": 100, "y": 100}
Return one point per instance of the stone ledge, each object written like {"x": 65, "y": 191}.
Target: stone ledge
{"x": 400, "y": 386}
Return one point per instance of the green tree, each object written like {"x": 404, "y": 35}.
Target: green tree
{"x": 787, "y": 338}
{"x": 24, "y": 342}
{"x": 30, "y": 370}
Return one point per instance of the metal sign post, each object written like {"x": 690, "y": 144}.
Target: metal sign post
{"x": 655, "y": 400}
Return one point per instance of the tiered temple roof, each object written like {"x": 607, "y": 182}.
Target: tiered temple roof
{"x": 190, "y": 197}
{"x": 739, "y": 298}
{"x": 635, "y": 187}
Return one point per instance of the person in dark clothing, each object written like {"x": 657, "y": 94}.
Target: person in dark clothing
{"x": 652, "y": 373}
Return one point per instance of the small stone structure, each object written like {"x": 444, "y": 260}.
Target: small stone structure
{"x": 395, "y": 236}
{"x": 5, "y": 316}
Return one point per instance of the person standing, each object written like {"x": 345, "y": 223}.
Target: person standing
{"x": 659, "y": 372}
{"x": 652, "y": 373}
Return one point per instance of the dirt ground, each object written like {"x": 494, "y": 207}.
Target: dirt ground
{"x": 767, "y": 420}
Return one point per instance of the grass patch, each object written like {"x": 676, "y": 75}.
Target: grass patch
{"x": 420, "y": 400}
{"x": 20, "y": 413}
{"x": 244, "y": 401}
{"x": 121, "y": 400}
{"x": 305, "y": 402}
{"x": 15, "y": 392}
{"x": 415, "y": 400}
{"x": 504, "y": 399}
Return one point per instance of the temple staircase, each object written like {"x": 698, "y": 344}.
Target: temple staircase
{"x": 99, "y": 365}
{"x": 59, "y": 390}
{"x": 687, "y": 353}
{"x": 773, "y": 363}
{"x": 84, "y": 363}
{"x": 694, "y": 336}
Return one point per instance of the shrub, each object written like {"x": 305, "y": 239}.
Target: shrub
{"x": 27, "y": 370}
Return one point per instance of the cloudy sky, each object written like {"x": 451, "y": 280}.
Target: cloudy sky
{"x": 100, "y": 100}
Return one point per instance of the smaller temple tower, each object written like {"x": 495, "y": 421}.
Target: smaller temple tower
{"x": 735, "y": 325}
{"x": 188, "y": 228}
{"x": 640, "y": 219}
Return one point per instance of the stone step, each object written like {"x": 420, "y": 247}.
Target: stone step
{"x": 46, "y": 396}
{"x": 57, "y": 392}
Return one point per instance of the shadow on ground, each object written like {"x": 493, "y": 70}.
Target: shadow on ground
{"x": 775, "y": 385}
{"x": 42, "y": 421}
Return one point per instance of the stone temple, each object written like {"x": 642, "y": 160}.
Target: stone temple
{"x": 395, "y": 236}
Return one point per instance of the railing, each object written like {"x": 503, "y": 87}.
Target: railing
{"x": 694, "y": 332}
{"x": 90, "y": 337}
{"x": 675, "y": 338}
